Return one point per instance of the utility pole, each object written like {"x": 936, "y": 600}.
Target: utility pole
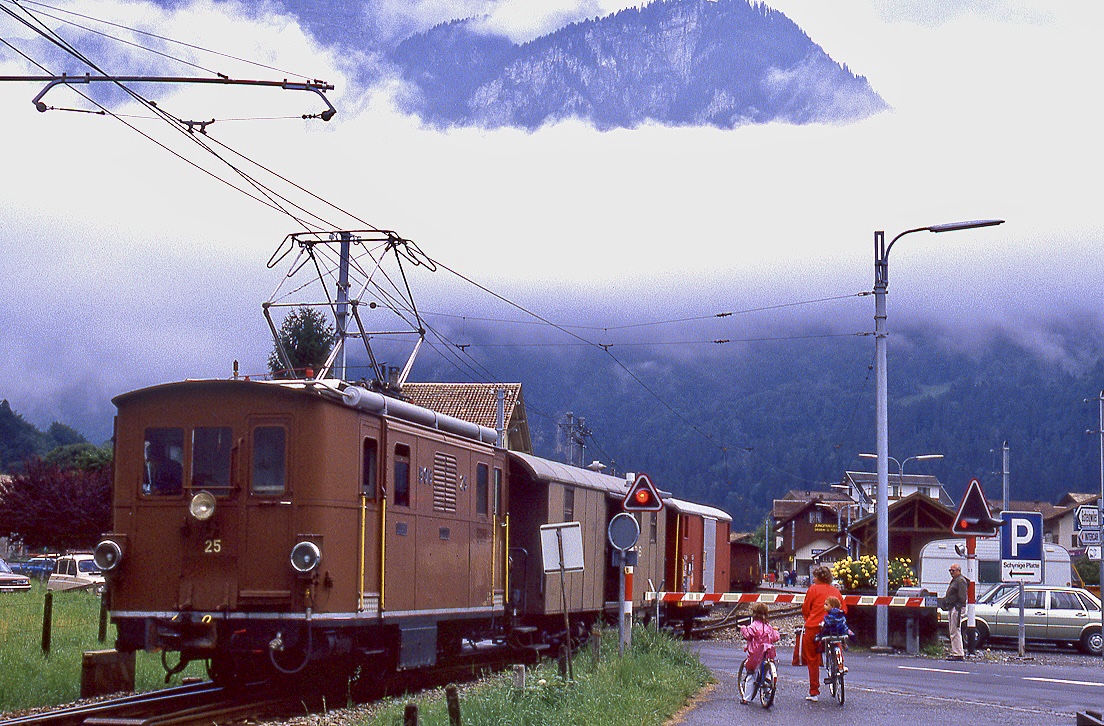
{"x": 1004, "y": 473}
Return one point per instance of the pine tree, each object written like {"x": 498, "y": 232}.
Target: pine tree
{"x": 307, "y": 339}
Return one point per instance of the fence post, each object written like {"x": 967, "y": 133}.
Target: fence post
{"x": 563, "y": 661}
{"x": 47, "y": 622}
{"x": 452, "y": 696}
{"x": 410, "y": 714}
{"x": 103, "y": 616}
{"x": 519, "y": 677}
{"x": 596, "y": 645}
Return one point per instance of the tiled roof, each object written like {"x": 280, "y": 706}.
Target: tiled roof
{"x": 475, "y": 402}
{"x": 1047, "y": 509}
{"x": 1076, "y": 498}
{"x": 478, "y": 403}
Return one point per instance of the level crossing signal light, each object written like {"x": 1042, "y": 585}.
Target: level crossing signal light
{"x": 642, "y": 496}
{"x": 973, "y": 516}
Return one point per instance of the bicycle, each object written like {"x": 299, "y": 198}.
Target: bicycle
{"x": 833, "y": 657}
{"x": 764, "y": 683}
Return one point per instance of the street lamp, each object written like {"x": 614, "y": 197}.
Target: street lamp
{"x": 901, "y": 464}
{"x": 881, "y": 287}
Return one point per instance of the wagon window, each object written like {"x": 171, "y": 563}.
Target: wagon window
{"x": 163, "y": 473}
{"x": 569, "y": 504}
{"x": 269, "y": 460}
{"x": 482, "y": 488}
{"x": 368, "y": 469}
{"x": 402, "y": 475}
{"x": 498, "y": 491}
{"x": 653, "y": 527}
{"x": 211, "y": 458}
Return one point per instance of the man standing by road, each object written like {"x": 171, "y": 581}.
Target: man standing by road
{"x": 955, "y": 601}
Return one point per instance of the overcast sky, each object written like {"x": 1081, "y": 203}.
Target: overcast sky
{"x": 125, "y": 266}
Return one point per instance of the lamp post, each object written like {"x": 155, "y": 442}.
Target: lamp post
{"x": 881, "y": 287}
{"x": 1100, "y": 506}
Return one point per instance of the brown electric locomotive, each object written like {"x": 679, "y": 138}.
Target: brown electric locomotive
{"x": 262, "y": 525}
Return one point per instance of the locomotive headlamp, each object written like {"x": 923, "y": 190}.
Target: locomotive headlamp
{"x": 305, "y": 556}
{"x": 107, "y": 555}
{"x": 202, "y": 506}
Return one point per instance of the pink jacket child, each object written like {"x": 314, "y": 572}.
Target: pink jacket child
{"x": 760, "y": 637}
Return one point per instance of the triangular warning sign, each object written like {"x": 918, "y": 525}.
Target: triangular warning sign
{"x": 972, "y": 517}
{"x": 642, "y": 496}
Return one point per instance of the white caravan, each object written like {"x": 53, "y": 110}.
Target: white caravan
{"x": 937, "y": 556}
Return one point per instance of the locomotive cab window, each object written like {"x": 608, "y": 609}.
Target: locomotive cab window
{"x": 368, "y": 470}
{"x": 211, "y": 447}
{"x": 269, "y": 460}
{"x": 163, "y": 473}
{"x": 482, "y": 488}
{"x": 402, "y": 475}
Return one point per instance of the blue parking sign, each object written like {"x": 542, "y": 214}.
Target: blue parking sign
{"x": 1022, "y": 547}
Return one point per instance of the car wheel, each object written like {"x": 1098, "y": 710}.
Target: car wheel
{"x": 982, "y": 633}
{"x": 1091, "y": 642}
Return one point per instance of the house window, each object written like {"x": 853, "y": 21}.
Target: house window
{"x": 816, "y": 516}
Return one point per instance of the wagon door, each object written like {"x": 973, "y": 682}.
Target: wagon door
{"x": 265, "y": 574}
{"x": 709, "y": 555}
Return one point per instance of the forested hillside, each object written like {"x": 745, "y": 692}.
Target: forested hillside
{"x": 738, "y": 430}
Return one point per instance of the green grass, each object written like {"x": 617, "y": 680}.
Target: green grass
{"x": 30, "y": 679}
{"x": 648, "y": 685}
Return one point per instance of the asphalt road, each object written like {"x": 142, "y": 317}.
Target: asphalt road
{"x": 894, "y": 690}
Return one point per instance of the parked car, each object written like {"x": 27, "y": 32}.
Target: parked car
{"x": 1051, "y": 614}
{"x": 76, "y": 572}
{"x": 38, "y": 568}
{"x": 11, "y": 581}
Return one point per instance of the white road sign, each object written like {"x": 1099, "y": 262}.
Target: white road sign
{"x": 1089, "y": 537}
{"x": 1093, "y": 553}
{"x": 1088, "y": 516}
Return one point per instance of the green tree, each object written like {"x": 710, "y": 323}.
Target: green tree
{"x": 80, "y": 456}
{"x": 307, "y": 339}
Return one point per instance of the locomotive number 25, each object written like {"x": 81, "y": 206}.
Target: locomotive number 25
{"x": 212, "y": 546}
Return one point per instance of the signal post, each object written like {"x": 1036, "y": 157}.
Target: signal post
{"x": 973, "y": 520}
{"x": 623, "y": 532}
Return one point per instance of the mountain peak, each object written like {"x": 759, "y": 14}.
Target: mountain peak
{"x": 722, "y": 63}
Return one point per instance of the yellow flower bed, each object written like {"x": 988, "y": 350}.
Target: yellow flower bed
{"x": 862, "y": 574}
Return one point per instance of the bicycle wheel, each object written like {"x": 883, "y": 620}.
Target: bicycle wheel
{"x": 833, "y": 668}
{"x": 745, "y": 684}
{"x": 768, "y": 683}
{"x": 840, "y": 674}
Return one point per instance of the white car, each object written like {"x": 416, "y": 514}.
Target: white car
{"x": 77, "y": 572}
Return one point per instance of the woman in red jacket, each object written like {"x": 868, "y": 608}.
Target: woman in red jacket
{"x": 813, "y": 612}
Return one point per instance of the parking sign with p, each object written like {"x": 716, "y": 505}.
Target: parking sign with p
{"x": 1022, "y": 547}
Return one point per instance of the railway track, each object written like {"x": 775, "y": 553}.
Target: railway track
{"x": 200, "y": 704}
{"x": 736, "y": 616}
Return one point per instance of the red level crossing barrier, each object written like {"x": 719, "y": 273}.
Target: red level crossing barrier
{"x": 788, "y": 598}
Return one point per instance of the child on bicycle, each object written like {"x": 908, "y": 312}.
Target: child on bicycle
{"x": 760, "y": 637}
{"x": 835, "y": 624}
